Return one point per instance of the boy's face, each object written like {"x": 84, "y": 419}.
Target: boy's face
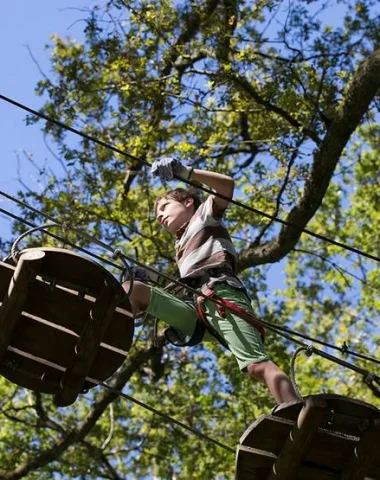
{"x": 172, "y": 214}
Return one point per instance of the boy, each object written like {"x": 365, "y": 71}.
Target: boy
{"x": 207, "y": 260}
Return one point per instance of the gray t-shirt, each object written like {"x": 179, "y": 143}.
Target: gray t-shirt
{"x": 204, "y": 244}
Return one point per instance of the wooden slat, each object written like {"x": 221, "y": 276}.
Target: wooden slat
{"x": 28, "y": 373}
{"x": 255, "y": 464}
{"x": 58, "y": 346}
{"x": 13, "y": 302}
{"x": 299, "y": 440}
{"x": 90, "y": 340}
{"x": 74, "y": 268}
{"x": 66, "y": 308}
{"x": 328, "y": 449}
{"x": 39, "y": 340}
{"x": 348, "y": 415}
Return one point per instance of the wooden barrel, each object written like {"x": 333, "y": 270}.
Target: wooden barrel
{"x": 64, "y": 318}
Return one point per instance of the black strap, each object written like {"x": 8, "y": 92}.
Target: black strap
{"x": 178, "y": 339}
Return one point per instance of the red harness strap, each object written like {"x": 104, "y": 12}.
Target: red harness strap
{"x": 221, "y": 304}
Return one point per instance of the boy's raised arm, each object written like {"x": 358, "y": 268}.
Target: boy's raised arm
{"x": 166, "y": 168}
{"x": 222, "y": 184}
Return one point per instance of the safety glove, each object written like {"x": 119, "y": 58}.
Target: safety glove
{"x": 167, "y": 167}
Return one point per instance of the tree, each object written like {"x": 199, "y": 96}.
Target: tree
{"x": 286, "y": 103}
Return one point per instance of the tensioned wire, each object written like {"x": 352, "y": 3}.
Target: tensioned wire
{"x": 196, "y": 185}
{"x": 368, "y": 377}
{"x": 151, "y": 409}
{"x": 283, "y": 331}
{"x": 343, "y": 349}
{"x": 272, "y": 217}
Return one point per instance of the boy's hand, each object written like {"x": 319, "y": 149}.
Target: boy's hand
{"x": 167, "y": 167}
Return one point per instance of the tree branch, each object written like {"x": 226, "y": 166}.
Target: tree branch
{"x": 193, "y": 22}
{"x": 362, "y": 91}
{"x": 251, "y": 91}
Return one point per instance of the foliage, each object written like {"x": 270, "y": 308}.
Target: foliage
{"x": 270, "y": 93}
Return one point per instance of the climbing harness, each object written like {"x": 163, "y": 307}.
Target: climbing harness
{"x": 202, "y": 324}
{"x": 221, "y": 305}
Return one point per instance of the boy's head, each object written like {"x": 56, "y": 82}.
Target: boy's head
{"x": 176, "y": 207}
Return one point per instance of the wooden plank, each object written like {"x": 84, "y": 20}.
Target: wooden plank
{"x": 299, "y": 440}
{"x": 255, "y": 464}
{"x": 28, "y": 373}
{"x": 88, "y": 347}
{"x": 66, "y": 309}
{"x": 73, "y": 268}
{"x": 348, "y": 412}
{"x": 57, "y": 346}
{"x": 70, "y": 311}
{"x": 365, "y": 453}
{"x": 328, "y": 448}
{"x": 266, "y": 423}
{"x": 13, "y": 302}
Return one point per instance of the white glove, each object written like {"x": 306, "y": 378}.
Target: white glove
{"x": 167, "y": 167}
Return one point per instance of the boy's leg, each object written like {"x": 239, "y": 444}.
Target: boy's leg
{"x": 246, "y": 344}
{"x": 139, "y": 297}
{"x": 275, "y": 379}
{"x": 243, "y": 339}
{"x": 175, "y": 312}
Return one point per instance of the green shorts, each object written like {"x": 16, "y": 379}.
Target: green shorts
{"x": 243, "y": 340}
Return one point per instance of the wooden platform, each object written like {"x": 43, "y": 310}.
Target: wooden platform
{"x": 63, "y": 318}
{"x": 328, "y": 437}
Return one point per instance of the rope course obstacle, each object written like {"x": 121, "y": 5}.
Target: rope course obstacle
{"x": 66, "y": 325}
{"x": 63, "y": 318}
{"x": 325, "y": 437}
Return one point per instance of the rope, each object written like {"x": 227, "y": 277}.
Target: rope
{"x": 368, "y": 377}
{"x": 169, "y": 418}
{"x": 58, "y": 238}
{"x": 126, "y": 272}
{"x": 343, "y": 349}
{"x": 195, "y": 185}
{"x": 165, "y": 416}
{"x": 282, "y": 331}
{"x": 309, "y": 351}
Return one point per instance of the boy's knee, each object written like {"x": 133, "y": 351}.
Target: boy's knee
{"x": 260, "y": 370}
{"x": 139, "y": 296}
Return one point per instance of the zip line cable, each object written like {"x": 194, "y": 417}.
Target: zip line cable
{"x": 71, "y": 129}
{"x": 195, "y": 185}
{"x": 269, "y": 325}
{"x": 282, "y": 331}
{"x": 166, "y": 417}
{"x": 144, "y": 405}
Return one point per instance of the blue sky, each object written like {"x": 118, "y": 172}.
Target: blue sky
{"x": 27, "y": 24}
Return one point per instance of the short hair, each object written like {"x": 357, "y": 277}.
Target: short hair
{"x": 180, "y": 195}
